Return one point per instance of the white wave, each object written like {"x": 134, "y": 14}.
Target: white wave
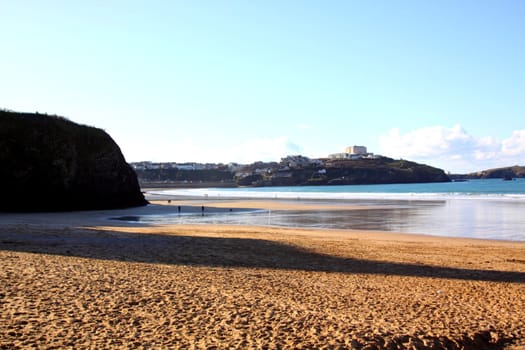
{"x": 267, "y": 194}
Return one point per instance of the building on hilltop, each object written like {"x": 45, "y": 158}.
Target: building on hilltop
{"x": 353, "y": 152}
{"x": 356, "y": 150}
{"x": 339, "y": 156}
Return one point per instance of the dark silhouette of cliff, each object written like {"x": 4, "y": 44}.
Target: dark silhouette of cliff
{"x": 48, "y": 163}
{"x": 350, "y": 172}
{"x": 511, "y": 172}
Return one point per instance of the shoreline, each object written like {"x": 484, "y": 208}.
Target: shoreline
{"x": 451, "y": 218}
{"x": 76, "y": 280}
{"x": 217, "y": 208}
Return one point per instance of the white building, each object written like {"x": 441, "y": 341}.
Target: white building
{"x": 356, "y": 150}
{"x": 353, "y": 152}
{"x": 339, "y": 156}
{"x": 186, "y": 166}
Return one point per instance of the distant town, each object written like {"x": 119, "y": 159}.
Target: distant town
{"x": 355, "y": 165}
{"x": 289, "y": 162}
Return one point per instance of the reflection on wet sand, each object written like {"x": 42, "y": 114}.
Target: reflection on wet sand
{"x": 461, "y": 218}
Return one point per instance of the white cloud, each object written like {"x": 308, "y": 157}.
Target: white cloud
{"x": 303, "y": 126}
{"x": 272, "y": 149}
{"x": 191, "y": 149}
{"x": 514, "y": 145}
{"x": 453, "y": 148}
{"x": 426, "y": 142}
{"x": 248, "y": 151}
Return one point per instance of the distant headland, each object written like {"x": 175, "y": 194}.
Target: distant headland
{"x": 506, "y": 173}
{"x": 354, "y": 166}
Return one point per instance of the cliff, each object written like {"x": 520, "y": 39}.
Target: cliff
{"x": 498, "y": 173}
{"x": 49, "y": 163}
{"x": 350, "y": 172}
{"x": 385, "y": 171}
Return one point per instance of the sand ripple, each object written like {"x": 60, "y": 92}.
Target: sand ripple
{"x": 58, "y": 301}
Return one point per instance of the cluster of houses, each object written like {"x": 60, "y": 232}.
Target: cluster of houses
{"x": 147, "y": 165}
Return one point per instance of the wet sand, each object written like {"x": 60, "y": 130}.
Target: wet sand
{"x": 263, "y": 204}
{"x": 78, "y": 284}
{"x": 484, "y": 219}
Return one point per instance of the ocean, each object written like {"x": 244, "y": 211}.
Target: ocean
{"x": 488, "y": 209}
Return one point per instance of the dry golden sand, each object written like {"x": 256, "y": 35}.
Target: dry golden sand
{"x": 205, "y": 287}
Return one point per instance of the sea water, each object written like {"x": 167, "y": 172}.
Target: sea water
{"x": 473, "y": 189}
{"x": 490, "y": 209}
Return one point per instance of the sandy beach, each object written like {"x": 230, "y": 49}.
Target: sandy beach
{"x": 83, "y": 282}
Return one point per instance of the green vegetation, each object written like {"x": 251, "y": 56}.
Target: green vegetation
{"x": 515, "y": 171}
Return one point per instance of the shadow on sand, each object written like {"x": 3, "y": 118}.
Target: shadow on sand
{"x": 219, "y": 252}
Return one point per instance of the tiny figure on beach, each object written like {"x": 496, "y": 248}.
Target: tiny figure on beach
{"x": 178, "y": 209}
{"x": 202, "y": 210}
{"x": 169, "y": 201}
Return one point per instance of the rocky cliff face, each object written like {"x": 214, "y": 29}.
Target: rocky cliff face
{"x": 515, "y": 171}
{"x": 48, "y": 163}
{"x": 350, "y": 172}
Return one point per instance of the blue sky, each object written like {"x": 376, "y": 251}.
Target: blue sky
{"x": 440, "y": 82}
